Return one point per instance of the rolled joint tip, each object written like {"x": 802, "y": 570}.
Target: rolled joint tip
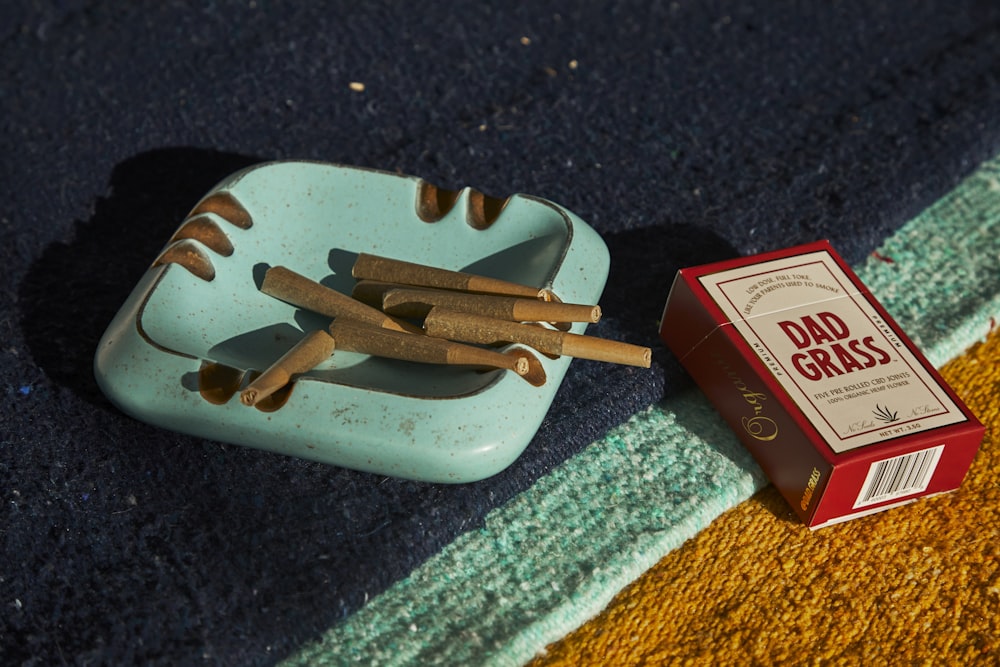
{"x": 527, "y": 366}
{"x": 521, "y": 366}
{"x": 595, "y": 314}
{"x": 248, "y": 397}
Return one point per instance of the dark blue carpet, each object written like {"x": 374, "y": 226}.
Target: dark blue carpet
{"x": 683, "y": 132}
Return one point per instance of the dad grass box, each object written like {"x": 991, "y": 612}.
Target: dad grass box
{"x": 842, "y": 412}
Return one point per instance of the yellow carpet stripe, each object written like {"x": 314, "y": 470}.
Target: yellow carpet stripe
{"x": 918, "y": 585}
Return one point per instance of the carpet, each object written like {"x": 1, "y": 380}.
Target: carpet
{"x": 682, "y": 132}
{"x": 557, "y": 554}
{"x": 918, "y": 585}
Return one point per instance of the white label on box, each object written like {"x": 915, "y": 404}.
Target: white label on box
{"x": 831, "y": 351}
{"x": 899, "y": 476}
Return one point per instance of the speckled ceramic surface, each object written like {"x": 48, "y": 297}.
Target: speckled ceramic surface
{"x": 196, "y": 327}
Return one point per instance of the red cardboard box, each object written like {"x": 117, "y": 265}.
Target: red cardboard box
{"x": 842, "y": 412}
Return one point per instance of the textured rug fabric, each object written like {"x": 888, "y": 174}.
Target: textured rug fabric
{"x": 683, "y": 132}
{"x": 556, "y": 554}
{"x": 919, "y": 585}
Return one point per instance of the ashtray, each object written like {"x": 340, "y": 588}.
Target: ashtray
{"x": 197, "y": 328}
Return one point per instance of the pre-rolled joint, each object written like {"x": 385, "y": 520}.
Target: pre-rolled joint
{"x": 388, "y": 270}
{"x": 354, "y": 337}
{"x": 308, "y": 353}
{"x": 287, "y": 285}
{"x": 417, "y": 302}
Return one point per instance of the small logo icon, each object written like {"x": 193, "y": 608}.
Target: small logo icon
{"x": 883, "y": 413}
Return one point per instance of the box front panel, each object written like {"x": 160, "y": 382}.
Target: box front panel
{"x": 849, "y": 371}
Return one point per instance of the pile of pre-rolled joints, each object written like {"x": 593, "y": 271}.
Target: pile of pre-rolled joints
{"x": 458, "y": 313}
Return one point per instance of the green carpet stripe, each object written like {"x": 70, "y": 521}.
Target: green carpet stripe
{"x": 555, "y": 555}
{"x": 943, "y": 284}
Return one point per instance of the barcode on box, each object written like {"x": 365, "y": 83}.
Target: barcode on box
{"x": 899, "y": 476}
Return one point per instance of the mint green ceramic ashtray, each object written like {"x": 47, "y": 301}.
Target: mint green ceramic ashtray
{"x": 196, "y": 329}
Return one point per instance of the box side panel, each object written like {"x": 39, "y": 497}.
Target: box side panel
{"x": 761, "y": 420}
{"x": 884, "y": 477}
